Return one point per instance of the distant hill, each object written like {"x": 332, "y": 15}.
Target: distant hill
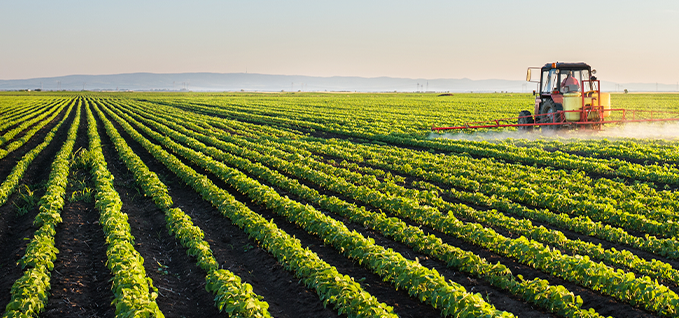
{"x": 265, "y": 82}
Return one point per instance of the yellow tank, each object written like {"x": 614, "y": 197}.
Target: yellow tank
{"x": 605, "y": 102}
{"x": 572, "y": 101}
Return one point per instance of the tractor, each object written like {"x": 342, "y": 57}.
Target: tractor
{"x": 567, "y": 92}
{"x": 569, "y": 96}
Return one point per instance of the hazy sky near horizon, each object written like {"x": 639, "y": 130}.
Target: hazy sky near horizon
{"x": 626, "y": 41}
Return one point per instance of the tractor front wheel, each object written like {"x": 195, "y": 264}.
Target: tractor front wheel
{"x": 550, "y": 114}
{"x": 524, "y": 119}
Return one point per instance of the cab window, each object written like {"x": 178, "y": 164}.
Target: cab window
{"x": 578, "y": 75}
{"x": 549, "y": 81}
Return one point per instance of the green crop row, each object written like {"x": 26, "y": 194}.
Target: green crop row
{"x": 425, "y": 284}
{"x": 29, "y": 293}
{"x": 430, "y": 196}
{"x": 9, "y": 185}
{"x": 20, "y": 115}
{"x": 666, "y": 247}
{"x": 654, "y": 269}
{"x": 342, "y": 291}
{"x": 581, "y": 224}
{"x": 231, "y": 295}
{"x": 17, "y": 107}
{"x": 635, "y": 150}
{"x": 623, "y": 258}
{"x": 636, "y": 199}
{"x": 24, "y": 123}
{"x": 486, "y": 149}
{"x": 557, "y": 159}
{"x": 596, "y": 276}
{"x": 556, "y": 299}
{"x": 14, "y": 145}
{"x": 374, "y": 114}
{"x": 609, "y": 281}
{"x": 466, "y": 174}
{"x": 372, "y": 128}
{"x": 134, "y": 293}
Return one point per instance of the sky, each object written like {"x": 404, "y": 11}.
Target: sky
{"x": 625, "y": 41}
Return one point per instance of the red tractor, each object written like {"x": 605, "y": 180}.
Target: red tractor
{"x": 569, "y": 97}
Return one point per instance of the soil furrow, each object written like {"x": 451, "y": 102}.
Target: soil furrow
{"x": 80, "y": 280}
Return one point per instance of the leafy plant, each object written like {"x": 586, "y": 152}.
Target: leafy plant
{"x": 163, "y": 269}
{"x": 247, "y": 247}
{"x": 85, "y": 195}
{"x": 26, "y": 200}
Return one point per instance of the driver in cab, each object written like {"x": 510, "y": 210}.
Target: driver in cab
{"x": 570, "y": 84}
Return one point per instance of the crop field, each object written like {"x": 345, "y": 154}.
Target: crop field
{"x": 329, "y": 205}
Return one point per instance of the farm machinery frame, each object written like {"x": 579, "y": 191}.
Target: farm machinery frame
{"x": 569, "y": 96}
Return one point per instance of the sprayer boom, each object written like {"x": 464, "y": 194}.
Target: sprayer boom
{"x": 569, "y": 97}
{"x": 558, "y": 119}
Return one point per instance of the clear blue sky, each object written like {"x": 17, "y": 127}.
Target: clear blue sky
{"x": 626, "y": 41}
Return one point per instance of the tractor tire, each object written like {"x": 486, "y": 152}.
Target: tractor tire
{"x": 550, "y": 114}
{"x": 526, "y": 120}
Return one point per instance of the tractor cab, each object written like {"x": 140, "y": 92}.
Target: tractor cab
{"x": 556, "y": 81}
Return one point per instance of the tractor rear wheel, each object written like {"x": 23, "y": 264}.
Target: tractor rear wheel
{"x": 525, "y": 120}
{"x": 550, "y": 111}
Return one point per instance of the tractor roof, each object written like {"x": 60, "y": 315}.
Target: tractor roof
{"x": 567, "y": 66}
